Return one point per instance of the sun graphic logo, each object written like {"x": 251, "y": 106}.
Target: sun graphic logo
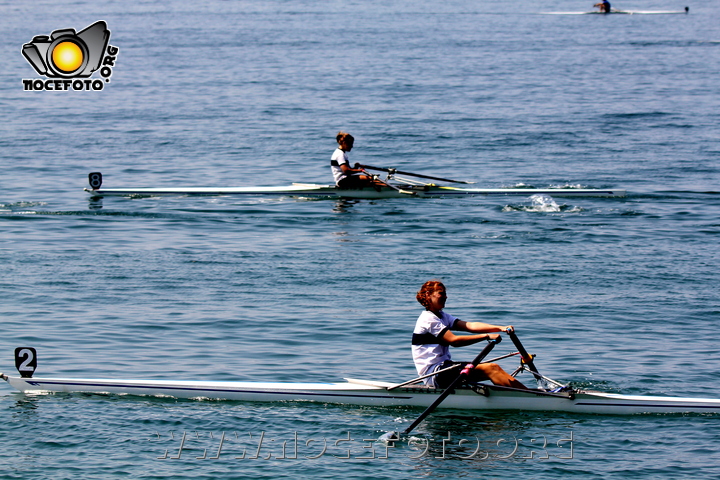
{"x": 66, "y": 57}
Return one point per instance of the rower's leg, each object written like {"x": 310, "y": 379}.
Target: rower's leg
{"x": 498, "y": 376}
{"x": 371, "y": 182}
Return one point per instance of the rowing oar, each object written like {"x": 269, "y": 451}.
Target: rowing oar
{"x": 394, "y": 436}
{"x": 394, "y": 171}
{"x": 526, "y": 358}
{"x": 457, "y": 365}
{"x": 374, "y": 177}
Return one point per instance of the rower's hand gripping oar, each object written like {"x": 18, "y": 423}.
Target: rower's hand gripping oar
{"x": 393, "y": 171}
{"x": 464, "y": 374}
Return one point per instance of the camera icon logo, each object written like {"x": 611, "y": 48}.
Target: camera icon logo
{"x": 68, "y": 54}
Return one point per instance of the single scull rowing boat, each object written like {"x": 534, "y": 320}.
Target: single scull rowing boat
{"x": 308, "y": 190}
{"x": 623, "y": 12}
{"x": 476, "y": 396}
{"x": 372, "y": 393}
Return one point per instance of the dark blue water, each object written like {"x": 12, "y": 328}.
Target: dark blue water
{"x": 614, "y": 294}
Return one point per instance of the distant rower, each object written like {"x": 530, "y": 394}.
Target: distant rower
{"x": 604, "y": 6}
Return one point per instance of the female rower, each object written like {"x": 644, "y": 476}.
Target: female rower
{"x": 432, "y": 338}
{"x": 345, "y": 176}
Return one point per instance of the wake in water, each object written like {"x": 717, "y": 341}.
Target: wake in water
{"x": 19, "y": 205}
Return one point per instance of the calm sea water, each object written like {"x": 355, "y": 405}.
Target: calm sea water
{"x": 614, "y": 294}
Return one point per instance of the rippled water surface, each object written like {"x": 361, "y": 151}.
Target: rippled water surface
{"x": 618, "y": 295}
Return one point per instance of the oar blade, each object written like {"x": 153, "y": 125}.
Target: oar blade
{"x": 390, "y": 437}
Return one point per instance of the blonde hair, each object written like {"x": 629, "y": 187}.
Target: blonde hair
{"x": 428, "y": 288}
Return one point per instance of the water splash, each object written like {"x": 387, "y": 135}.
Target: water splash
{"x": 544, "y": 203}
{"x": 541, "y": 203}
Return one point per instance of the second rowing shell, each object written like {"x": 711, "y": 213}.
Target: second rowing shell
{"x": 331, "y": 191}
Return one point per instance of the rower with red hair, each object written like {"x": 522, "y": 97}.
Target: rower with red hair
{"x": 433, "y": 337}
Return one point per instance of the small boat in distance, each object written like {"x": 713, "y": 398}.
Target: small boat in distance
{"x": 623, "y": 12}
{"x": 392, "y": 187}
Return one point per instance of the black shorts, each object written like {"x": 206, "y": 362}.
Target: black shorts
{"x": 352, "y": 181}
{"x": 444, "y": 379}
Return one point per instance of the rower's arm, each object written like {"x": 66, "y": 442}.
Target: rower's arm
{"x": 463, "y": 340}
{"x": 347, "y": 170}
{"x": 480, "y": 327}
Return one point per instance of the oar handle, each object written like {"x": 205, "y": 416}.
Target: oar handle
{"x": 471, "y": 366}
{"x": 491, "y": 344}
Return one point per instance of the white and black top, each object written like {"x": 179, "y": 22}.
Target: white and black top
{"x": 429, "y": 351}
{"x": 339, "y": 157}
